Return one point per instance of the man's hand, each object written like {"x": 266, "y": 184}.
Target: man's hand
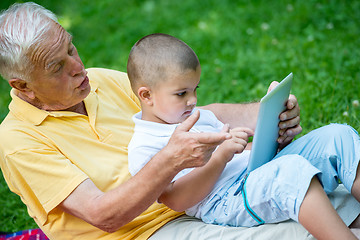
{"x": 289, "y": 120}
{"x": 187, "y": 149}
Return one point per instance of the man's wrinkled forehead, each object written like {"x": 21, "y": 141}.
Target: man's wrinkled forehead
{"x": 50, "y": 49}
{"x": 62, "y": 46}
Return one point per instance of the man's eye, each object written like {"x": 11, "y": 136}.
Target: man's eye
{"x": 58, "y": 67}
{"x": 71, "y": 51}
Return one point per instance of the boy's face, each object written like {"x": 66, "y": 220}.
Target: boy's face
{"x": 174, "y": 99}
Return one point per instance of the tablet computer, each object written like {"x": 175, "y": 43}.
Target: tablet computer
{"x": 265, "y": 145}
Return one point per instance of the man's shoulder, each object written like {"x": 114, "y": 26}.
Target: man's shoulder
{"x": 11, "y": 125}
{"x": 101, "y": 73}
{"x": 108, "y": 78}
{"x": 112, "y": 84}
{"x": 14, "y": 134}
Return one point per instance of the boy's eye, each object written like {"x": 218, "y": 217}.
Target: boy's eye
{"x": 181, "y": 93}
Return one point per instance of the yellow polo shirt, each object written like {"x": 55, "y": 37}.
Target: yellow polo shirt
{"x": 44, "y": 156}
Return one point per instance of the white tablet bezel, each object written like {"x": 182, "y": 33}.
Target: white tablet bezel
{"x": 265, "y": 145}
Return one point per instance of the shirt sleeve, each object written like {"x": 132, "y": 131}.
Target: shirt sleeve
{"x": 138, "y": 158}
{"x": 44, "y": 177}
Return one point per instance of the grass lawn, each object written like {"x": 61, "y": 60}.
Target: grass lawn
{"x": 242, "y": 45}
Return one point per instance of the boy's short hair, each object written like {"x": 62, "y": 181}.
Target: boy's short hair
{"x": 152, "y": 55}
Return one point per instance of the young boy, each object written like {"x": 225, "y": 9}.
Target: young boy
{"x": 165, "y": 74}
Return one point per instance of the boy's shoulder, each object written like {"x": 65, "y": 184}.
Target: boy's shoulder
{"x": 208, "y": 117}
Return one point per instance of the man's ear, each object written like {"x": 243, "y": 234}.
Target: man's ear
{"x": 22, "y": 87}
{"x": 144, "y": 94}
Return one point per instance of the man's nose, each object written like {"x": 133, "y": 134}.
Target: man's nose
{"x": 76, "y": 67}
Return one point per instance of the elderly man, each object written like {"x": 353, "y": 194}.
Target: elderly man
{"x": 63, "y": 146}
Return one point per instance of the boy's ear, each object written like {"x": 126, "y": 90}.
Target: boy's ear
{"x": 144, "y": 94}
{"x": 22, "y": 86}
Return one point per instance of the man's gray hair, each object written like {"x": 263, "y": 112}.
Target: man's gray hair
{"x": 22, "y": 26}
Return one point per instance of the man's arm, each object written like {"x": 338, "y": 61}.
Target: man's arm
{"x": 245, "y": 115}
{"x": 113, "y": 209}
{"x": 236, "y": 115}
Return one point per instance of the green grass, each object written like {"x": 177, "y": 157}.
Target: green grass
{"x": 242, "y": 46}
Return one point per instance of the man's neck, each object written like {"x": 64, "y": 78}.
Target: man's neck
{"x": 78, "y": 108}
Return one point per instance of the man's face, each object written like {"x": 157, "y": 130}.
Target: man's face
{"x": 59, "y": 80}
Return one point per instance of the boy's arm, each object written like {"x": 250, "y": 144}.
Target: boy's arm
{"x": 193, "y": 187}
{"x": 196, "y": 185}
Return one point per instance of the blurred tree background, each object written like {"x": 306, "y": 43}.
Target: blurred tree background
{"x": 242, "y": 45}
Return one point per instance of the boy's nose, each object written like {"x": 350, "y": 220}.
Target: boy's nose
{"x": 192, "y": 101}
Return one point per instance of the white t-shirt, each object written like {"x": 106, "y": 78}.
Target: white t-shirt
{"x": 150, "y": 137}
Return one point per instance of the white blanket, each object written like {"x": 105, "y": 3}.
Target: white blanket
{"x": 193, "y": 229}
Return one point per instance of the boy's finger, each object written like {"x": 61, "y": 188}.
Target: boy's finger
{"x": 226, "y": 128}
{"x": 248, "y": 131}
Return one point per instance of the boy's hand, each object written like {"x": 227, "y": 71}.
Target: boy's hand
{"x": 236, "y": 144}
{"x": 187, "y": 150}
